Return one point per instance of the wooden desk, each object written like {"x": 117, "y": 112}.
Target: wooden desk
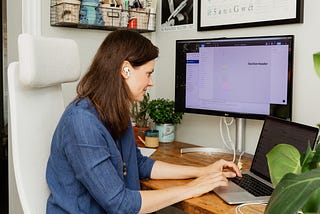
{"x": 208, "y": 203}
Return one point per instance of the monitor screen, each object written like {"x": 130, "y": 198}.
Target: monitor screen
{"x": 247, "y": 77}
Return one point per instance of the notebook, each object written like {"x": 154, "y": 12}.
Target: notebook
{"x": 274, "y": 131}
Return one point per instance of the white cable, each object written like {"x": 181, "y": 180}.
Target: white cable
{"x": 230, "y": 145}
{"x": 230, "y": 123}
{"x": 228, "y": 130}
{"x": 222, "y": 137}
{"x": 238, "y": 208}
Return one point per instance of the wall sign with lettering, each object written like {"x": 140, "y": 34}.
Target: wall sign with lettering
{"x": 224, "y": 14}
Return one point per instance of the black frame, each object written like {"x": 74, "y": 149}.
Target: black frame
{"x": 297, "y": 19}
{"x": 275, "y": 111}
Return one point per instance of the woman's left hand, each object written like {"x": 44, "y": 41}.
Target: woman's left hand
{"x": 229, "y": 168}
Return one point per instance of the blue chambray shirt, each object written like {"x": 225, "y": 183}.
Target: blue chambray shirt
{"x": 85, "y": 167}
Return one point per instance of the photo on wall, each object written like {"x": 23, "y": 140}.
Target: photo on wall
{"x": 177, "y": 14}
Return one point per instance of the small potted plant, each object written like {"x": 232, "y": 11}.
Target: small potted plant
{"x": 162, "y": 113}
{"x": 140, "y": 117}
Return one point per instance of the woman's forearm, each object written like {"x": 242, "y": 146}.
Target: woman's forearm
{"x": 163, "y": 170}
{"x": 153, "y": 200}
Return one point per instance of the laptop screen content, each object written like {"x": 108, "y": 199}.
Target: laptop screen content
{"x": 286, "y": 132}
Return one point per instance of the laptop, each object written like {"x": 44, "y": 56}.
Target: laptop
{"x": 274, "y": 131}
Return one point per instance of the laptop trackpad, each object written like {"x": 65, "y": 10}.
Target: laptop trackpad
{"x": 231, "y": 188}
{"x": 233, "y": 194}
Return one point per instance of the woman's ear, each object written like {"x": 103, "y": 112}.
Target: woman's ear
{"x": 126, "y": 69}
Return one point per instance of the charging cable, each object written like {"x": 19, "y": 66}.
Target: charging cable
{"x": 238, "y": 208}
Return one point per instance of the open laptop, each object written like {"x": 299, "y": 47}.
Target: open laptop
{"x": 275, "y": 131}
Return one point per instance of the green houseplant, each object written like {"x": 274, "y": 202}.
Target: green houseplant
{"x": 162, "y": 113}
{"x": 296, "y": 178}
{"x": 140, "y": 116}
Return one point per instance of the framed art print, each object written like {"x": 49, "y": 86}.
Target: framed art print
{"x": 224, "y": 14}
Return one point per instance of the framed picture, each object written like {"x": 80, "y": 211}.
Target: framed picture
{"x": 222, "y": 14}
{"x": 177, "y": 15}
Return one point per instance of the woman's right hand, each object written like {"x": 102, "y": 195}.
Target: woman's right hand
{"x": 207, "y": 183}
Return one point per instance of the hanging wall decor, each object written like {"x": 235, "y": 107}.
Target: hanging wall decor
{"x": 221, "y": 14}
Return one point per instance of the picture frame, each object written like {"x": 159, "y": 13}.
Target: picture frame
{"x": 221, "y": 14}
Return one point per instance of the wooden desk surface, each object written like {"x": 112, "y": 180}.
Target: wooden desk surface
{"x": 208, "y": 203}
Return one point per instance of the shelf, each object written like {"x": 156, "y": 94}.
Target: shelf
{"x": 97, "y": 27}
{"x": 70, "y": 13}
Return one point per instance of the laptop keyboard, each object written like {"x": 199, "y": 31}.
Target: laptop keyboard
{"x": 252, "y": 185}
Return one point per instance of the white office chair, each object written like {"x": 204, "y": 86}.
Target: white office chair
{"x": 36, "y": 104}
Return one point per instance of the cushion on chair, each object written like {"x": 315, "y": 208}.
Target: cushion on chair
{"x": 43, "y": 68}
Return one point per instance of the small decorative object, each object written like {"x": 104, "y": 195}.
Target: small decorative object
{"x": 162, "y": 113}
{"x": 140, "y": 117}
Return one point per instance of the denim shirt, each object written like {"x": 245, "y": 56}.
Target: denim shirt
{"x": 85, "y": 166}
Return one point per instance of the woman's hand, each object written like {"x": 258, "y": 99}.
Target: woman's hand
{"x": 228, "y": 168}
{"x": 206, "y": 183}
{"x": 213, "y": 176}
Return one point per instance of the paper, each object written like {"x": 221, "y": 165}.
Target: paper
{"x": 146, "y": 151}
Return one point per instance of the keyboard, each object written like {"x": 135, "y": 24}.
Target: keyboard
{"x": 252, "y": 185}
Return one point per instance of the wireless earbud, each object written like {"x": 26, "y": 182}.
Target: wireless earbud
{"x": 127, "y": 71}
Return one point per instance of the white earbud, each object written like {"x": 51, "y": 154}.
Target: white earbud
{"x": 127, "y": 71}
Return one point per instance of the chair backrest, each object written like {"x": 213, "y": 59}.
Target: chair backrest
{"x": 36, "y": 104}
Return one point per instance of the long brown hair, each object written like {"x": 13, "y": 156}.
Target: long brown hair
{"x": 103, "y": 84}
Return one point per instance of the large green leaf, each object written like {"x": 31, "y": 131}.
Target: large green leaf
{"x": 293, "y": 191}
{"x": 313, "y": 203}
{"x": 316, "y": 157}
{"x": 316, "y": 62}
{"x": 283, "y": 159}
{"x": 306, "y": 160}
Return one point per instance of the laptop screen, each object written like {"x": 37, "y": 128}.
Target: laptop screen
{"x": 277, "y": 131}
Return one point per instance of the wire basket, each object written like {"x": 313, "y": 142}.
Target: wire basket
{"x": 74, "y": 13}
{"x": 64, "y": 12}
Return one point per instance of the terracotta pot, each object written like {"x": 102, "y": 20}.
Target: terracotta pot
{"x": 136, "y": 130}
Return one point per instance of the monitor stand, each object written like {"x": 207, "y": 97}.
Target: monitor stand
{"x": 240, "y": 139}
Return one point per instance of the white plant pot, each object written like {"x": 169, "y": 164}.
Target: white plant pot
{"x": 166, "y": 132}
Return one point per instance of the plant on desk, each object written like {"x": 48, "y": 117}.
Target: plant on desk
{"x": 140, "y": 117}
{"x": 162, "y": 113}
{"x": 296, "y": 179}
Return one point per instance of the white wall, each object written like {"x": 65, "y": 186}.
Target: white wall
{"x": 196, "y": 129}
{"x": 204, "y": 130}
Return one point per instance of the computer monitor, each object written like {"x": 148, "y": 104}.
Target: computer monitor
{"x": 243, "y": 77}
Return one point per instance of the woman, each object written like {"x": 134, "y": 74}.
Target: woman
{"x": 95, "y": 165}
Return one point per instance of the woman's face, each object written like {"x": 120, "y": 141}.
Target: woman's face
{"x": 140, "y": 79}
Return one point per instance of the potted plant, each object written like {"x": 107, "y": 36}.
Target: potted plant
{"x": 140, "y": 117}
{"x": 296, "y": 178}
{"x": 162, "y": 113}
